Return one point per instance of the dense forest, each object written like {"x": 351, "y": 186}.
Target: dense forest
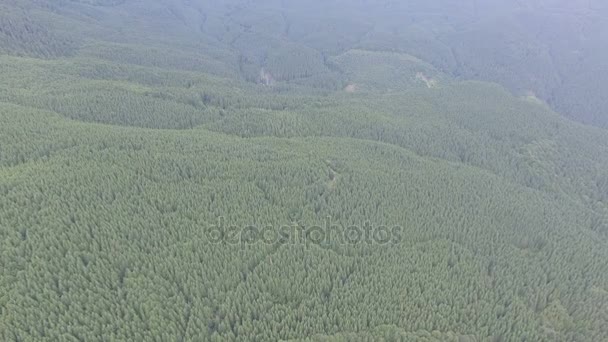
{"x": 263, "y": 170}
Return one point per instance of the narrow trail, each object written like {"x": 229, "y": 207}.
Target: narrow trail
{"x": 334, "y": 176}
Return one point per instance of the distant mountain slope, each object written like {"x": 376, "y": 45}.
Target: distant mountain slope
{"x": 553, "y": 49}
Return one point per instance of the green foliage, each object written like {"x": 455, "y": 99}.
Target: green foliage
{"x": 23, "y": 36}
{"x": 122, "y": 152}
{"x": 369, "y": 71}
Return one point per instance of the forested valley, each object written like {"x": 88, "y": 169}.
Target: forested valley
{"x": 167, "y": 166}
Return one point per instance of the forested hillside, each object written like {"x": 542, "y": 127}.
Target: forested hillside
{"x": 176, "y": 170}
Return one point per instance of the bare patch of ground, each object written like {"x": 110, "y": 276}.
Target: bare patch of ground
{"x": 430, "y": 83}
{"x": 266, "y": 77}
{"x": 531, "y": 96}
{"x": 351, "y": 88}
